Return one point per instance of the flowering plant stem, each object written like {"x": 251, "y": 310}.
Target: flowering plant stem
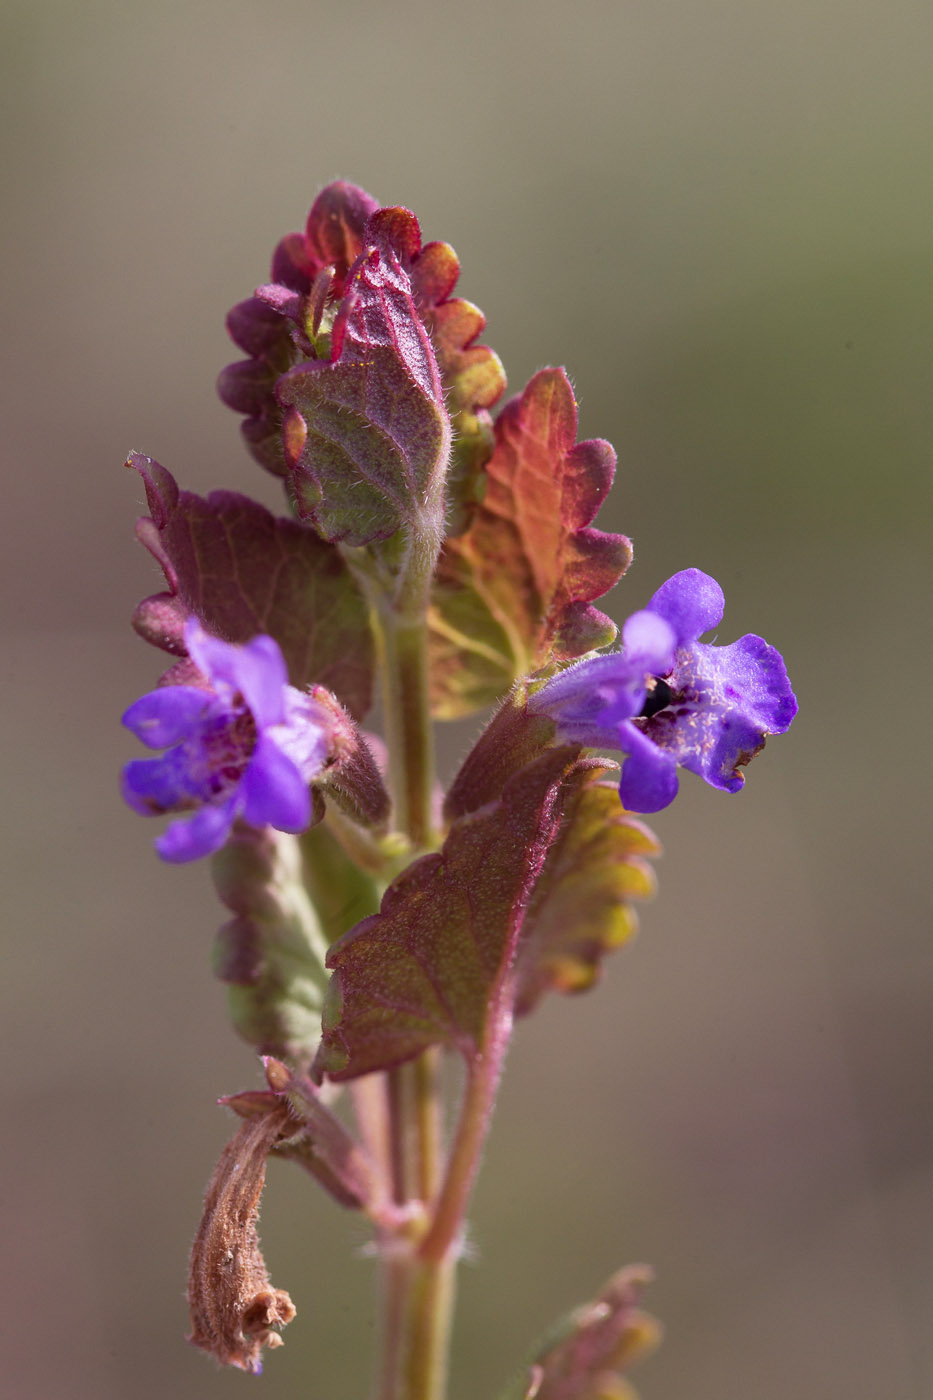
{"x": 365, "y": 388}
{"x": 417, "y": 1292}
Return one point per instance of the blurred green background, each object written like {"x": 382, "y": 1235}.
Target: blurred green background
{"x": 717, "y": 215}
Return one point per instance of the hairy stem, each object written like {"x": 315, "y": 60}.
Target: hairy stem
{"x": 408, "y": 731}
{"x": 417, "y": 1295}
{"x": 442, "y": 1239}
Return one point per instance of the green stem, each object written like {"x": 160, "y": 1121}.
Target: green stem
{"x": 430, "y": 1308}
{"x": 417, "y": 1295}
{"x": 443, "y": 1237}
{"x": 431, "y": 1272}
{"x": 408, "y": 732}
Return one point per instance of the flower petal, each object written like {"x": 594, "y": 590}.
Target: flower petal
{"x": 584, "y": 692}
{"x": 649, "y": 639}
{"x": 752, "y": 675}
{"x": 306, "y": 735}
{"x": 261, "y": 677}
{"x": 732, "y": 697}
{"x": 199, "y": 835}
{"x": 273, "y": 791}
{"x": 692, "y": 602}
{"x": 256, "y": 669}
{"x": 167, "y": 715}
{"x": 215, "y": 658}
{"x": 649, "y": 775}
{"x": 155, "y": 785}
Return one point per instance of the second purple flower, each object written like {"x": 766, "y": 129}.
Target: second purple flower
{"x": 669, "y": 700}
{"x": 245, "y": 745}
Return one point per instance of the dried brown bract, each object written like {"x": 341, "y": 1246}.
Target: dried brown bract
{"x": 233, "y": 1304}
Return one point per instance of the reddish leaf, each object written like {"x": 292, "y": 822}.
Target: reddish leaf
{"x": 435, "y": 965}
{"x": 515, "y": 590}
{"x": 278, "y": 328}
{"x": 472, "y": 374}
{"x": 335, "y": 228}
{"x": 275, "y": 334}
{"x": 368, "y": 440}
{"x": 512, "y": 739}
{"x": 242, "y": 571}
{"x": 595, "y": 1345}
{"x": 581, "y": 908}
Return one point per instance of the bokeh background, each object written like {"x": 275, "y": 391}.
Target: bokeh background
{"x": 717, "y": 215}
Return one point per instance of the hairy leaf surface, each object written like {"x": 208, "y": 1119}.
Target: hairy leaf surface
{"x": 581, "y": 908}
{"x": 472, "y": 374}
{"x": 515, "y": 590}
{"x": 434, "y": 966}
{"x": 528, "y": 894}
{"x": 368, "y": 440}
{"x": 242, "y": 570}
{"x": 275, "y": 326}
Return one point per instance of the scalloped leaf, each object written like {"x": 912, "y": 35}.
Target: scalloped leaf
{"x": 584, "y": 1355}
{"x": 273, "y": 330}
{"x": 472, "y": 374}
{"x": 528, "y": 894}
{"x": 512, "y": 739}
{"x": 515, "y": 590}
{"x": 434, "y": 966}
{"x": 243, "y": 570}
{"x": 581, "y": 908}
{"x": 367, "y": 438}
{"x": 278, "y": 329}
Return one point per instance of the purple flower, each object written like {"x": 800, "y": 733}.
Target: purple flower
{"x": 246, "y": 744}
{"x": 668, "y": 699}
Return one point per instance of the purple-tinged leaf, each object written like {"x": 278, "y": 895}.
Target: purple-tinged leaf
{"x": 472, "y": 374}
{"x": 516, "y": 589}
{"x": 436, "y": 965}
{"x": 367, "y": 439}
{"x": 513, "y": 738}
{"x": 277, "y": 336}
{"x": 244, "y": 571}
{"x": 587, "y": 1353}
{"x": 280, "y": 327}
{"x": 581, "y": 908}
{"x": 335, "y": 228}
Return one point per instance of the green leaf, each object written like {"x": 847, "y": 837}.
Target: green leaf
{"x": 341, "y": 892}
{"x": 242, "y": 571}
{"x": 515, "y": 590}
{"x": 271, "y": 954}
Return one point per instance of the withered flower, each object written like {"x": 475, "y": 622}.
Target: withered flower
{"x": 234, "y": 1307}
